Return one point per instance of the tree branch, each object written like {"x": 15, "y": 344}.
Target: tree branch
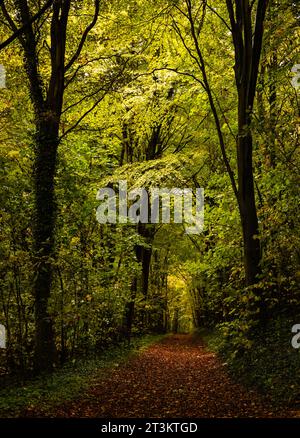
{"x": 84, "y": 36}
{"x": 18, "y": 32}
{"x": 257, "y": 45}
{"x": 211, "y": 101}
{"x": 219, "y": 16}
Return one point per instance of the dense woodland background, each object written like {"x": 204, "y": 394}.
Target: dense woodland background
{"x": 168, "y": 93}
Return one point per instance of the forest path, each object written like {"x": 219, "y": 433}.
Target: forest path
{"x": 176, "y": 377}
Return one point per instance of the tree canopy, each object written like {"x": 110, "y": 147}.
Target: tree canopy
{"x": 165, "y": 93}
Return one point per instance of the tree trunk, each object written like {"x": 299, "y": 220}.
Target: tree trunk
{"x": 145, "y": 253}
{"x": 45, "y": 210}
{"x": 175, "y": 321}
{"x": 247, "y": 39}
{"x": 247, "y": 207}
{"x": 48, "y": 110}
{"x": 247, "y": 29}
{"x": 129, "y": 310}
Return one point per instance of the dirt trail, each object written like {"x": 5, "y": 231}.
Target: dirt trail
{"x": 177, "y": 377}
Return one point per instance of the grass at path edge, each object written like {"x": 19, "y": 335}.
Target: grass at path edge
{"x": 68, "y": 382}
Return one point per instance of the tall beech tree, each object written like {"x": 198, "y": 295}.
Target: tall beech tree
{"x": 247, "y": 30}
{"x": 247, "y": 27}
{"x": 47, "y": 97}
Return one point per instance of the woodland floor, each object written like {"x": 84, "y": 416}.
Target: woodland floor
{"x": 176, "y": 377}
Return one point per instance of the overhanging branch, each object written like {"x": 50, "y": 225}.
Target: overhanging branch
{"x": 17, "y": 32}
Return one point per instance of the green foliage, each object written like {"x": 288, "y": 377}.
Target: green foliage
{"x": 268, "y": 363}
{"x": 135, "y": 108}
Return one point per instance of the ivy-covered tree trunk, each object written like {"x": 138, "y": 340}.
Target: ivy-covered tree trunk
{"x": 47, "y": 99}
{"x": 47, "y": 119}
{"x": 45, "y": 211}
